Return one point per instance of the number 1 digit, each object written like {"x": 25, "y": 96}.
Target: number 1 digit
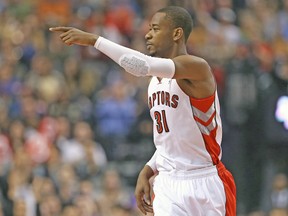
{"x": 161, "y": 121}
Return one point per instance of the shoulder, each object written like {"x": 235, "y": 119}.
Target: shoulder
{"x": 190, "y": 58}
{"x": 191, "y": 62}
{"x": 194, "y": 76}
{"x": 191, "y": 67}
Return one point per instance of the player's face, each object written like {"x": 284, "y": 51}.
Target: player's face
{"x": 159, "y": 39}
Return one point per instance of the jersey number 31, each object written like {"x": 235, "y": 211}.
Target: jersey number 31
{"x": 161, "y": 121}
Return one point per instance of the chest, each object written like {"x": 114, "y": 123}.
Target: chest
{"x": 165, "y": 93}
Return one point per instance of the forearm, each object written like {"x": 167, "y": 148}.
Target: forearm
{"x": 135, "y": 62}
{"x": 147, "y": 172}
{"x": 152, "y": 163}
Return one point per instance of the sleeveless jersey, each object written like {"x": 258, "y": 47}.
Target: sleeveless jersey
{"x": 187, "y": 131}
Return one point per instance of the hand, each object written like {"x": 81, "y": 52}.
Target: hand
{"x": 143, "y": 190}
{"x": 72, "y": 36}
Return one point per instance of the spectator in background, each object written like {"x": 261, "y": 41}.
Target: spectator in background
{"x": 10, "y": 84}
{"x": 115, "y": 113}
{"x": 86, "y": 188}
{"x": 71, "y": 210}
{"x": 54, "y": 11}
{"x": 104, "y": 21}
{"x": 20, "y": 208}
{"x": 19, "y": 181}
{"x": 279, "y": 194}
{"x": 80, "y": 148}
{"x": 118, "y": 210}
{"x": 121, "y": 16}
{"x": 31, "y": 109}
{"x": 1, "y": 209}
{"x": 37, "y": 147}
{"x": 219, "y": 33}
{"x": 226, "y": 27}
{"x": 71, "y": 71}
{"x": 42, "y": 187}
{"x": 67, "y": 184}
{"x": 283, "y": 20}
{"x": 52, "y": 166}
{"x": 17, "y": 134}
{"x": 48, "y": 83}
{"x": 4, "y": 118}
{"x": 114, "y": 193}
{"x": 94, "y": 158}
{"x": 50, "y": 205}
{"x": 87, "y": 206}
{"x": 6, "y": 155}
{"x": 70, "y": 149}
{"x": 240, "y": 105}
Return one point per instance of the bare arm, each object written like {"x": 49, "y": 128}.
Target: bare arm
{"x": 194, "y": 76}
{"x": 191, "y": 67}
{"x": 143, "y": 190}
{"x": 198, "y": 79}
{"x": 132, "y": 61}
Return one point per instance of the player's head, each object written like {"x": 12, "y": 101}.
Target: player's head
{"x": 168, "y": 26}
{"x": 179, "y": 18}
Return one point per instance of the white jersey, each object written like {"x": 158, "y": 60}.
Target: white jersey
{"x": 187, "y": 131}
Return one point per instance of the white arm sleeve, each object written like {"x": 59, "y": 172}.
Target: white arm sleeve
{"x": 136, "y": 62}
{"x": 152, "y": 162}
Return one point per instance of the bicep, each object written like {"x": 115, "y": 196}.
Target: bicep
{"x": 191, "y": 67}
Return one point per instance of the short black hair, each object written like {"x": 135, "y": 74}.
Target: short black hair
{"x": 180, "y": 17}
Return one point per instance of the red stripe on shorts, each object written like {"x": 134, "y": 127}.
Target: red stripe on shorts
{"x": 229, "y": 187}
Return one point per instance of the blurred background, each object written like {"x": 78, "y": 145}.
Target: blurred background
{"x": 75, "y": 128}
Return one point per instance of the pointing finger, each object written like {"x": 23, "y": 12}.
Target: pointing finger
{"x": 60, "y": 29}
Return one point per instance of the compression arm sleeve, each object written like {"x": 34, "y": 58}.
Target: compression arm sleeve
{"x": 152, "y": 162}
{"x": 136, "y": 62}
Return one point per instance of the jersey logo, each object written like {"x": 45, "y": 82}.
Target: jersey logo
{"x": 163, "y": 98}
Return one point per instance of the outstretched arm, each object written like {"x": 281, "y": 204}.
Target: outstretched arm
{"x": 131, "y": 60}
{"x": 194, "y": 70}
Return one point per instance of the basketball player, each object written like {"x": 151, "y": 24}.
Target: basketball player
{"x": 184, "y": 106}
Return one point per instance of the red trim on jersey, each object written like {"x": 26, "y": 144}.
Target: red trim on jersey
{"x": 230, "y": 189}
{"x": 207, "y": 122}
{"x": 214, "y": 150}
{"x": 212, "y": 146}
{"x": 203, "y": 104}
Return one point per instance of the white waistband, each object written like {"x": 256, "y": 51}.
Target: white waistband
{"x": 188, "y": 174}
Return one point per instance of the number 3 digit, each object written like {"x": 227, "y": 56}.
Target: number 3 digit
{"x": 161, "y": 121}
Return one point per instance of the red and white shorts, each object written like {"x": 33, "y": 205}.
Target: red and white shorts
{"x": 205, "y": 192}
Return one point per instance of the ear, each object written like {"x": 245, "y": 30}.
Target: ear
{"x": 177, "y": 34}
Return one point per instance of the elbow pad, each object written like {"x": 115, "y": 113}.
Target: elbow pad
{"x": 135, "y": 62}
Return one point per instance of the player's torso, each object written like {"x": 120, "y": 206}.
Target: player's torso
{"x": 177, "y": 136}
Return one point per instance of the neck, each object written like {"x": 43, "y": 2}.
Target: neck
{"x": 177, "y": 50}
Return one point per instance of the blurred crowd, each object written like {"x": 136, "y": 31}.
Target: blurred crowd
{"x": 75, "y": 128}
